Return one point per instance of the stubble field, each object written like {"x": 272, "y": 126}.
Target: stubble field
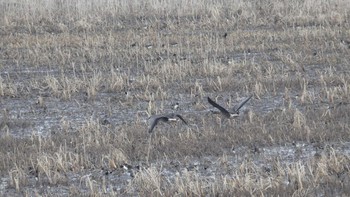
{"x": 79, "y": 79}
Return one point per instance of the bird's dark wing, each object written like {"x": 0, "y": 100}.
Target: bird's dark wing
{"x": 183, "y": 120}
{"x": 237, "y": 107}
{"x": 155, "y": 122}
{"x": 223, "y": 110}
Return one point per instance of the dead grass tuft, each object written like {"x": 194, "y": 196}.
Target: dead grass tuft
{"x": 78, "y": 80}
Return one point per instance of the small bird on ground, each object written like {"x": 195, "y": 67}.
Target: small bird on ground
{"x": 225, "y": 112}
{"x": 164, "y": 118}
{"x": 176, "y": 106}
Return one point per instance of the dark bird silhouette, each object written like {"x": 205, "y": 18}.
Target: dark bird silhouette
{"x": 225, "y": 112}
{"x": 164, "y": 118}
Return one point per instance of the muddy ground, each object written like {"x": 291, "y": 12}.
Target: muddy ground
{"x": 77, "y": 90}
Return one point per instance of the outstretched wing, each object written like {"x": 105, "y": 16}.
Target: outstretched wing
{"x": 237, "y": 107}
{"x": 183, "y": 120}
{"x": 155, "y": 122}
{"x": 223, "y": 110}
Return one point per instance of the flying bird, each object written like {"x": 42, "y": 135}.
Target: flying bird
{"x": 225, "y": 112}
{"x": 164, "y": 118}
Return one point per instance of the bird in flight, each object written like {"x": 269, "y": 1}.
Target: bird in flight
{"x": 225, "y": 112}
{"x": 164, "y": 118}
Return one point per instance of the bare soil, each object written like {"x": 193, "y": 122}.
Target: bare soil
{"x": 78, "y": 81}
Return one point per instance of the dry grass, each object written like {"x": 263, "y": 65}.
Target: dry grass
{"x": 78, "y": 79}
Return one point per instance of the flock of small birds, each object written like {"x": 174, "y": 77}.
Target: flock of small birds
{"x": 155, "y": 119}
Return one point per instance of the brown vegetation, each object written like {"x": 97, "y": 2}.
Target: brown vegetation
{"x": 78, "y": 80}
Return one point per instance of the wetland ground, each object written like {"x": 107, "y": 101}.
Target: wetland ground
{"x": 78, "y": 80}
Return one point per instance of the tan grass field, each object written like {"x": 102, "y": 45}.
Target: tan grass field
{"x": 78, "y": 80}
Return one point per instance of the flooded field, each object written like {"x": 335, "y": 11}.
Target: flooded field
{"x": 79, "y": 81}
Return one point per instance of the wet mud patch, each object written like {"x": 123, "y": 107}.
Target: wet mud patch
{"x": 77, "y": 90}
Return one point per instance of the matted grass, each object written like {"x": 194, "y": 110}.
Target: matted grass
{"x": 78, "y": 80}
